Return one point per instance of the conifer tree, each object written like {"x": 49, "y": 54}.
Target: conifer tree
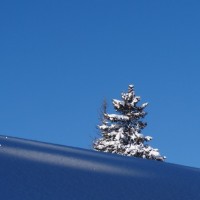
{"x": 121, "y": 133}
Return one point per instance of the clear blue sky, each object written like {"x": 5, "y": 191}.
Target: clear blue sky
{"x": 60, "y": 59}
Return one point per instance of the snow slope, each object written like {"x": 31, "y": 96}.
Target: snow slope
{"x": 31, "y": 170}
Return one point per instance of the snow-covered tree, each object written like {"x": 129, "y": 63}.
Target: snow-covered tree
{"x": 121, "y": 133}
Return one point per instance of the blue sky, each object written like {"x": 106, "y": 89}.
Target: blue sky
{"x": 60, "y": 59}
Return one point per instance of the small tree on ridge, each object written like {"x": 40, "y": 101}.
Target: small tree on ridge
{"x": 121, "y": 133}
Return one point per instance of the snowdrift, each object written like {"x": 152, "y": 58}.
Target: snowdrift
{"x": 31, "y": 170}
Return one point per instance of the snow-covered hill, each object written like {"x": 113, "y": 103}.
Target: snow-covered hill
{"x": 32, "y": 170}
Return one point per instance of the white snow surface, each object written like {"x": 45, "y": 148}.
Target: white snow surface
{"x": 32, "y": 170}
